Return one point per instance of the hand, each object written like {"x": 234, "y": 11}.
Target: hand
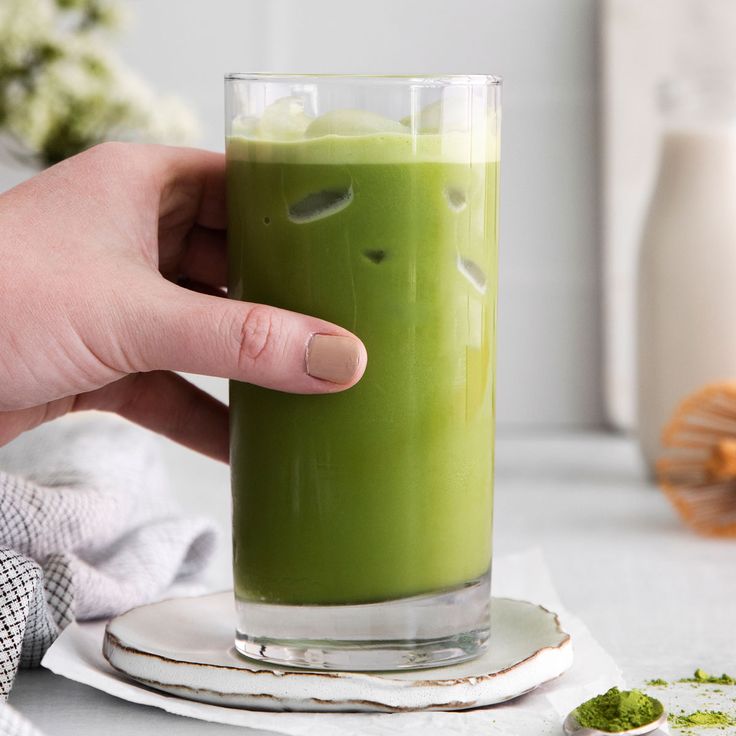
{"x": 92, "y": 316}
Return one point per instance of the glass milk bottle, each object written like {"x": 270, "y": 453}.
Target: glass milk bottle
{"x": 687, "y": 267}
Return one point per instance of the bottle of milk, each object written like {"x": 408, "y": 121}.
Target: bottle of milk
{"x": 687, "y": 269}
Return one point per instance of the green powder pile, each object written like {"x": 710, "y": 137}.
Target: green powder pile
{"x": 700, "y": 719}
{"x": 703, "y": 677}
{"x": 707, "y": 718}
{"x": 700, "y": 677}
{"x": 618, "y": 710}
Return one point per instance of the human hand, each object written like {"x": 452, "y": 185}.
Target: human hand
{"x": 92, "y": 317}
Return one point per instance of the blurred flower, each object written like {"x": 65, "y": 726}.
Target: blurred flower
{"x": 62, "y": 90}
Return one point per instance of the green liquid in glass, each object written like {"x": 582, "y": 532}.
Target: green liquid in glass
{"x": 385, "y": 490}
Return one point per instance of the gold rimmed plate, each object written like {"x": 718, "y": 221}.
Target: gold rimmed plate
{"x": 184, "y": 647}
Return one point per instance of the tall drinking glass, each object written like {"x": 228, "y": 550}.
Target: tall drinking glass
{"x": 362, "y": 519}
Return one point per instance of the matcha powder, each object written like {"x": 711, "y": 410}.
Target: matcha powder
{"x": 710, "y": 718}
{"x": 618, "y": 710}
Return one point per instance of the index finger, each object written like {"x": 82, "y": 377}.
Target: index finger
{"x": 192, "y": 187}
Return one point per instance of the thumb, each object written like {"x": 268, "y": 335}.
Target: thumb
{"x": 255, "y": 343}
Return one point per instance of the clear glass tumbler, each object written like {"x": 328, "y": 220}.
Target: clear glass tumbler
{"x": 362, "y": 519}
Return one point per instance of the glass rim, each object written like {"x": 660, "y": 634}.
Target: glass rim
{"x": 429, "y": 80}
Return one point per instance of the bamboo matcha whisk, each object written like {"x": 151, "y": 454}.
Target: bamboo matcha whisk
{"x": 698, "y": 469}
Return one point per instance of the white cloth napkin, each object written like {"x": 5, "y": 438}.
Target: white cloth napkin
{"x": 88, "y": 529}
{"x": 77, "y": 654}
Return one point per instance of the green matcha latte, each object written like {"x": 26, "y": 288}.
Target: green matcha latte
{"x": 383, "y": 491}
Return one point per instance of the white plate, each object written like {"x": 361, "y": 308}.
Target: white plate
{"x": 185, "y": 647}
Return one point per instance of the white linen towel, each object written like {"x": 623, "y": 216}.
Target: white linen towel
{"x": 88, "y": 529}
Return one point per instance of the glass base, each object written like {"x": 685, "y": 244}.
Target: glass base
{"x": 409, "y": 633}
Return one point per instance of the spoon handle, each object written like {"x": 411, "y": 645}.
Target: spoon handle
{"x": 571, "y": 727}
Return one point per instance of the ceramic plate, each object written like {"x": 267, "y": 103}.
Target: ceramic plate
{"x": 185, "y": 647}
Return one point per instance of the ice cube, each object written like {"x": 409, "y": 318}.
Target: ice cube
{"x": 473, "y": 273}
{"x": 352, "y": 122}
{"x": 245, "y": 126}
{"x": 318, "y": 205}
{"x": 456, "y": 199}
{"x": 284, "y": 120}
{"x": 444, "y": 116}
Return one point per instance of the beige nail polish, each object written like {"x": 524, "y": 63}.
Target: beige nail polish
{"x": 332, "y": 358}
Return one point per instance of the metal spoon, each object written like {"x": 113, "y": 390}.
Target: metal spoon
{"x": 571, "y": 727}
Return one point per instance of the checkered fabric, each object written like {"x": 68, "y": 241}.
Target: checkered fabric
{"x": 88, "y": 529}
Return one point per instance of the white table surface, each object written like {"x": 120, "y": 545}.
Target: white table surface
{"x": 659, "y": 598}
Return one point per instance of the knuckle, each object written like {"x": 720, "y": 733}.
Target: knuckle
{"x": 259, "y": 336}
{"x": 99, "y": 162}
{"x": 109, "y": 150}
{"x": 116, "y": 157}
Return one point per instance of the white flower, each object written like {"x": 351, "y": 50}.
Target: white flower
{"x": 171, "y": 121}
{"x": 62, "y": 90}
{"x": 24, "y": 24}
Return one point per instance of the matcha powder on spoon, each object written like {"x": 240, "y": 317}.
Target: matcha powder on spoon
{"x": 618, "y": 710}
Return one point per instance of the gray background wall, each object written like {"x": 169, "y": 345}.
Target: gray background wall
{"x": 549, "y": 367}
{"x": 549, "y": 345}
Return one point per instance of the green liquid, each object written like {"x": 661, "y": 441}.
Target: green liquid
{"x": 384, "y": 490}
